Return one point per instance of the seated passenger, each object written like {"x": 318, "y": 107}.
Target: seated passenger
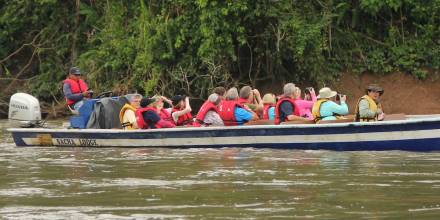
{"x": 269, "y": 101}
{"x": 326, "y": 108}
{"x": 220, "y": 91}
{"x": 208, "y": 113}
{"x": 147, "y": 117}
{"x": 369, "y": 107}
{"x": 251, "y": 98}
{"x": 181, "y": 112}
{"x": 75, "y": 89}
{"x": 286, "y": 109}
{"x": 305, "y": 106}
{"x": 234, "y": 113}
{"x": 164, "y": 113}
{"x": 127, "y": 115}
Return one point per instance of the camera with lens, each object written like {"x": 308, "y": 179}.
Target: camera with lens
{"x": 338, "y": 96}
{"x": 308, "y": 90}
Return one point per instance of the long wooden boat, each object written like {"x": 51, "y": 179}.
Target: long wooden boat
{"x": 420, "y": 133}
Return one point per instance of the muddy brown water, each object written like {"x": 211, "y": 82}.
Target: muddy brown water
{"x": 229, "y": 183}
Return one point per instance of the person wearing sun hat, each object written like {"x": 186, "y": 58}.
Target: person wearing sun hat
{"x": 269, "y": 101}
{"x": 369, "y": 107}
{"x": 326, "y": 108}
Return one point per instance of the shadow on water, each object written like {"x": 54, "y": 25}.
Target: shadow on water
{"x": 53, "y": 183}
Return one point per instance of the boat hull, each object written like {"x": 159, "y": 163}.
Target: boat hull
{"x": 411, "y": 135}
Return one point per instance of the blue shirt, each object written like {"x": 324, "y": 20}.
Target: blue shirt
{"x": 242, "y": 116}
{"x": 271, "y": 113}
{"x": 150, "y": 118}
{"x": 286, "y": 109}
{"x": 329, "y": 108}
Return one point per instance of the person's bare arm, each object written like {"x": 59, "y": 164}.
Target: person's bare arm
{"x": 165, "y": 99}
{"x": 313, "y": 95}
{"x": 259, "y": 101}
{"x": 255, "y": 116}
{"x": 296, "y": 118}
{"x": 184, "y": 111}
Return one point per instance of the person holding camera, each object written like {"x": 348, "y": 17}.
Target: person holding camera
{"x": 251, "y": 98}
{"x": 232, "y": 112}
{"x": 305, "y": 105}
{"x": 75, "y": 89}
{"x": 326, "y": 108}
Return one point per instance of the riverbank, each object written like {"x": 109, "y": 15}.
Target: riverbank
{"x": 403, "y": 92}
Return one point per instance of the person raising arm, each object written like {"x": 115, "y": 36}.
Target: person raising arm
{"x": 326, "y": 108}
{"x": 233, "y": 112}
{"x": 181, "y": 112}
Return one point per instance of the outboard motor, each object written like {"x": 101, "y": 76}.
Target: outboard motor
{"x": 24, "y": 109}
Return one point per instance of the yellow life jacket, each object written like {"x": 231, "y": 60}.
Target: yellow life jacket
{"x": 371, "y": 104}
{"x": 316, "y": 110}
{"x": 126, "y": 125}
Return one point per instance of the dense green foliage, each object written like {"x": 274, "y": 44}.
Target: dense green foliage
{"x": 165, "y": 45}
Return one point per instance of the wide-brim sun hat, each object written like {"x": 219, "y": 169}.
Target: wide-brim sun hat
{"x": 326, "y": 93}
{"x": 269, "y": 98}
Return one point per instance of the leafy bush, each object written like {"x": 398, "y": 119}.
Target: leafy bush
{"x": 172, "y": 46}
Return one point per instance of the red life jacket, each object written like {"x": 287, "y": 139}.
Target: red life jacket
{"x": 206, "y": 107}
{"x": 266, "y": 108}
{"x": 165, "y": 115}
{"x": 277, "y": 108}
{"x": 140, "y": 118}
{"x": 226, "y": 111}
{"x": 243, "y": 101}
{"x": 76, "y": 87}
{"x": 185, "y": 120}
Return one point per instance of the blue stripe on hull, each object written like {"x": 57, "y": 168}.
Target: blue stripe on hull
{"x": 428, "y": 144}
{"x": 405, "y": 145}
{"x": 18, "y": 139}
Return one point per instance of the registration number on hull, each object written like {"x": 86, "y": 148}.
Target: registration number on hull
{"x": 81, "y": 142}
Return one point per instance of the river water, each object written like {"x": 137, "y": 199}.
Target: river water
{"x": 122, "y": 183}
